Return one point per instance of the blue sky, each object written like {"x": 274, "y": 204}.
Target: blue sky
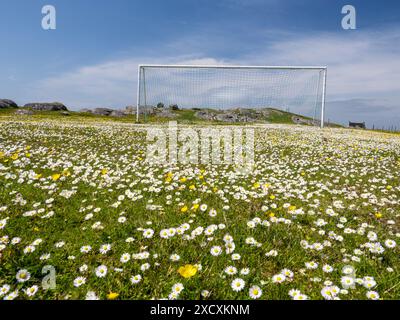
{"x": 91, "y": 59}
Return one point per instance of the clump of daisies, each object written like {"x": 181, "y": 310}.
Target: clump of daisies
{"x": 176, "y": 290}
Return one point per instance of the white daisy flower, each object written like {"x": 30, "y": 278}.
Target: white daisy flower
{"x": 237, "y": 284}
{"x": 372, "y": 295}
{"x": 231, "y": 270}
{"x": 136, "y": 279}
{"x": 216, "y": 250}
{"x": 101, "y": 271}
{"x": 23, "y": 275}
{"x": 255, "y": 292}
{"x": 125, "y": 258}
{"x": 79, "y": 281}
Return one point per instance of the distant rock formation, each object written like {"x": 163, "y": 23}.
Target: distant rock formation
{"x": 117, "y": 114}
{"x": 85, "y": 110}
{"x": 24, "y": 112}
{"x": 130, "y": 110}
{"x": 105, "y": 112}
{"x": 44, "y": 106}
{"x": 6, "y": 103}
{"x": 234, "y": 115}
{"x": 301, "y": 120}
{"x": 102, "y": 111}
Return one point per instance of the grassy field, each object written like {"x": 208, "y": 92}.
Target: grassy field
{"x": 317, "y": 218}
{"x": 184, "y": 116}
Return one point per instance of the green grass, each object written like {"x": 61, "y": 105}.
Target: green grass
{"x": 183, "y": 116}
{"x": 102, "y": 162}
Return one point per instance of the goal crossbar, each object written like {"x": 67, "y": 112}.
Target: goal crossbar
{"x": 228, "y": 66}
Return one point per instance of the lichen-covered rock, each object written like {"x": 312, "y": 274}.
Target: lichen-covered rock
{"x": 102, "y": 111}
{"x": 205, "y": 115}
{"x": 24, "y": 112}
{"x": 45, "y": 106}
{"x": 6, "y": 103}
{"x": 85, "y": 110}
{"x": 118, "y": 114}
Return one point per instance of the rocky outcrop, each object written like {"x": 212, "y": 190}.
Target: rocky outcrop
{"x": 166, "y": 113}
{"x": 233, "y": 115}
{"x": 107, "y": 112}
{"x": 301, "y": 120}
{"x": 205, "y": 115}
{"x": 130, "y": 110}
{"x": 102, "y": 111}
{"x": 6, "y": 103}
{"x": 45, "y": 106}
{"x": 118, "y": 114}
{"x": 24, "y": 112}
{"x": 230, "y": 117}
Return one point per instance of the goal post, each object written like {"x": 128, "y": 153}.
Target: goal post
{"x": 298, "y": 89}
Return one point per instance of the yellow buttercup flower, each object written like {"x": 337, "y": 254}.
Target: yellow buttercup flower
{"x": 38, "y": 176}
{"x": 184, "y": 209}
{"x": 187, "y": 271}
{"x": 104, "y": 171}
{"x": 56, "y": 176}
{"x": 28, "y": 155}
{"x": 378, "y": 215}
{"x": 195, "y": 206}
{"x": 112, "y": 296}
{"x": 183, "y": 179}
{"x": 66, "y": 173}
{"x": 14, "y": 156}
{"x": 272, "y": 197}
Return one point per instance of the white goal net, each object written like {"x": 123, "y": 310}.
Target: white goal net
{"x": 299, "y": 90}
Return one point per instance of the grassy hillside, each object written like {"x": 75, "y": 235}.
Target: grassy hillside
{"x": 187, "y": 116}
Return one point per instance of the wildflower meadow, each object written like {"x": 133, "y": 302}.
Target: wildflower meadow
{"x": 83, "y": 215}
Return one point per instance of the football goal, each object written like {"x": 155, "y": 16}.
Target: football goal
{"x": 299, "y": 90}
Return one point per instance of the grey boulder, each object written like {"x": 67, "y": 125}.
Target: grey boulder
{"x": 6, "y": 103}
{"x": 102, "y": 111}
{"x": 85, "y": 110}
{"x": 24, "y": 112}
{"x": 118, "y": 114}
{"x": 44, "y": 106}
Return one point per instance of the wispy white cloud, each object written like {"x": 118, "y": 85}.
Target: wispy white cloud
{"x": 110, "y": 83}
{"x": 359, "y": 64}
